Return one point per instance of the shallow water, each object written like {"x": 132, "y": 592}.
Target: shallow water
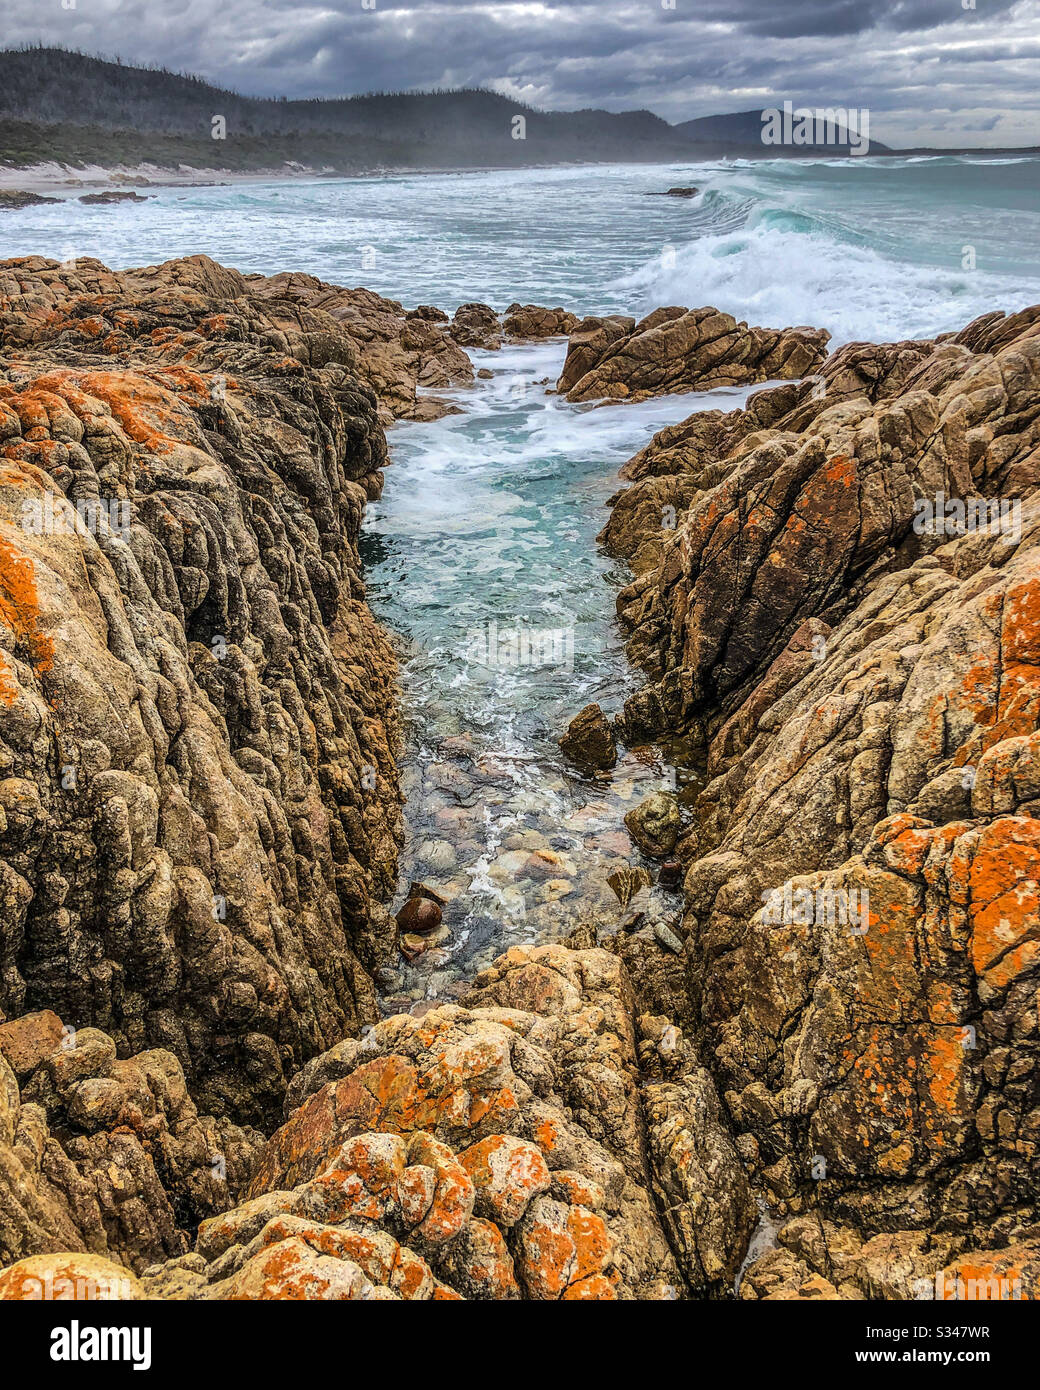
{"x": 488, "y": 525}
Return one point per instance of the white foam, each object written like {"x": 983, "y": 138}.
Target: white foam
{"x": 777, "y": 278}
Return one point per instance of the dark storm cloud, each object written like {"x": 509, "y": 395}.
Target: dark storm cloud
{"x": 920, "y": 65}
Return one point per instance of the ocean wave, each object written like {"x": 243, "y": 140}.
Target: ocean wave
{"x": 784, "y": 268}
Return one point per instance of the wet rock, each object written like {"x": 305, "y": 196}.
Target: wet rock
{"x": 548, "y": 863}
{"x": 438, "y": 855}
{"x": 111, "y": 196}
{"x": 671, "y": 873}
{"x": 627, "y": 882}
{"x": 531, "y": 321}
{"x": 589, "y": 741}
{"x": 668, "y": 938}
{"x": 426, "y": 893}
{"x": 554, "y": 889}
{"x": 654, "y": 824}
{"x": 675, "y": 350}
{"x": 477, "y": 326}
{"x": 12, "y": 199}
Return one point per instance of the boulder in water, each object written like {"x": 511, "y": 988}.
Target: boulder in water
{"x": 589, "y": 741}
{"x": 654, "y": 824}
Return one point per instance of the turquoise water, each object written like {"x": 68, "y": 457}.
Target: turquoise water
{"x": 489, "y": 517}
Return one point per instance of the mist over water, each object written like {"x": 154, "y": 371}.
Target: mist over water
{"x": 490, "y": 516}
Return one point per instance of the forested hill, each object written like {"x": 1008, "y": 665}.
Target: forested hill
{"x": 129, "y": 111}
{"x": 56, "y": 104}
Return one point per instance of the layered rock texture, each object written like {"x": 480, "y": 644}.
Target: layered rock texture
{"x": 860, "y": 967}
{"x": 677, "y": 350}
{"x": 198, "y": 804}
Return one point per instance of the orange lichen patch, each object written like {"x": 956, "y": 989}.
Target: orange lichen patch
{"x": 591, "y": 1242}
{"x": 362, "y": 1180}
{"x": 577, "y": 1188}
{"x": 907, "y": 849}
{"x": 546, "y": 1260}
{"x": 894, "y": 826}
{"x": 891, "y": 948}
{"x": 1021, "y": 631}
{"x": 451, "y": 1203}
{"x": 38, "y": 452}
{"x": 193, "y": 383}
{"x": 480, "y": 1261}
{"x": 882, "y": 1089}
{"x": 507, "y": 1174}
{"x": 596, "y": 1289}
{"x": 840, "y": 469}
{"x": 145, "y": 410}
{"x": 945, "y": 1064}
{"x": 291, "y": 1270}
{"x": 1005, "y": 899}
{"x": 68, "y": 1276}
{"x": 20, "y": 611}
{"x": 998, "y": 1280}
{"x": 216, "y": 325}
{"x": 442, "y": 1294}
{"x": 415, "y": 1192}
{"x": 546, "y": 1134}
{"x": 378, "y": 1255}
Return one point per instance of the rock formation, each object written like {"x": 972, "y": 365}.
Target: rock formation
{"x": 105, "y": 1156}
{"x": 395, "y": 352}
{"x": 677, "y": 350}
{"x": 866, "y": 691}
{"x": 530, "y": 321}
{"x": 198, "y": 803}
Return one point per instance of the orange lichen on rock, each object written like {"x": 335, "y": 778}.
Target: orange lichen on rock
{"x": 1005, "y": 899}
{"x": 20, "y": 611}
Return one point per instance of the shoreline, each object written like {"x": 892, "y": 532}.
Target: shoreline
{"x": 51, "y": 177}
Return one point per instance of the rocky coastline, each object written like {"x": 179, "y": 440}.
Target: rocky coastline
{"x": 720, "y": 1089}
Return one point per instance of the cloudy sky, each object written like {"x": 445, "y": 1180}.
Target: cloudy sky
{"x": 931, "y": 71}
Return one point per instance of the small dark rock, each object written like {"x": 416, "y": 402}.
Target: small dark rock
{"x": 12, "y": 199}
{"x": 419, "y": 917}
{"x": 671, "y": 874}
{"x": 111, "y": 196}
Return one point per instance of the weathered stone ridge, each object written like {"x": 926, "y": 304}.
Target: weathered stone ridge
{"x": 198, "y": 804}
{"x": 678, "y": 350}
{"x": 867, "y": 693}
